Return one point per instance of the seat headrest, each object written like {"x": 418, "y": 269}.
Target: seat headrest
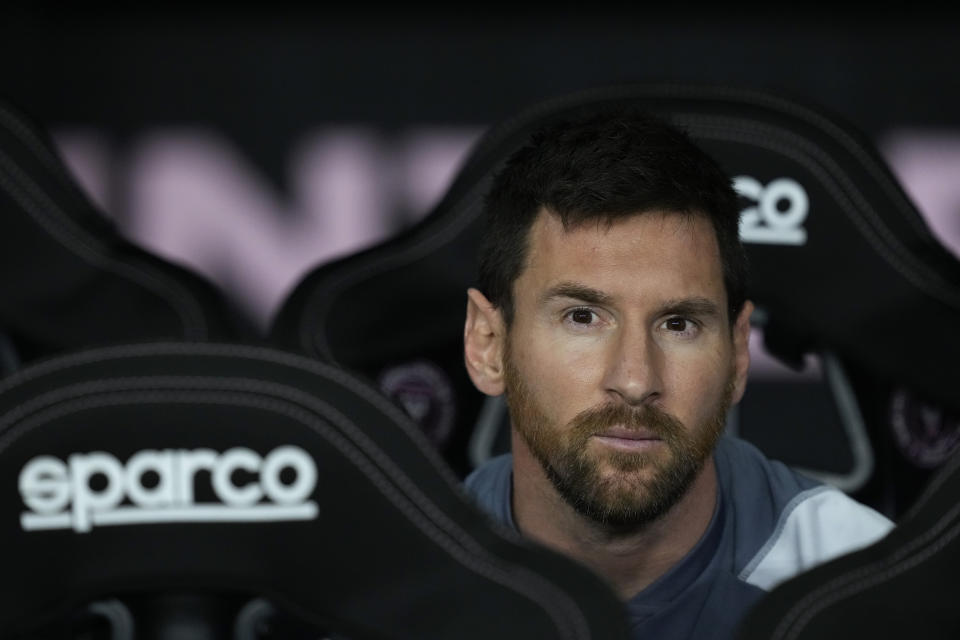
{"x": 69, "y": 278}
{"x": 153, "y": 468}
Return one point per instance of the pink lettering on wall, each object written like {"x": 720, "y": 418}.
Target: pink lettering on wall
{"x": 191, "y": 196}
{"x": 928, "y": 166}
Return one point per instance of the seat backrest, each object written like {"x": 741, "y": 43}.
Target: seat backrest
{"x": 179, "y": 490}
{"x": 69, "y": 278}
{"x": 842, "y": 265}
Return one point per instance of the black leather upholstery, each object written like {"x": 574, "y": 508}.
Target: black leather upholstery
{"x": 197, "y": 490}
{"x": 69, "y": 279}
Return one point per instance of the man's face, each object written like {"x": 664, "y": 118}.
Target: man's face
{"x": 619, "y": 366}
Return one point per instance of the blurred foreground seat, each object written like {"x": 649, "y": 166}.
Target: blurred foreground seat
{"x": 181, "y": 491}
{"x": 903, "y": 586}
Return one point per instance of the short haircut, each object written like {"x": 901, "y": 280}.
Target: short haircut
{"x": 604, "y": 166}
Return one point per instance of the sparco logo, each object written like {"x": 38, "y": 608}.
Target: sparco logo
{"x": 158, "y": 486}
{"x": 782, "y": 207}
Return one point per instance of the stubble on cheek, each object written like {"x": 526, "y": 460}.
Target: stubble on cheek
{"x": 620, "y": 490}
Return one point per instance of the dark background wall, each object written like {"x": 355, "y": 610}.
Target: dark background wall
{"x": 257, "y": 80}
{"x": 264, "y": 71}
{"x": 225, "y": 137}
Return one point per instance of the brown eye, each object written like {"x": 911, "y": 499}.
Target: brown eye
{"x": 676, "y": 324}
{"x": 582, "y": 316}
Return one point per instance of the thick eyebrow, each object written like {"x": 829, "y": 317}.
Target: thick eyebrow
{"x": 576, "y": 291}
{"x": 696, "y": 307}
{"x": 690, "y": 307}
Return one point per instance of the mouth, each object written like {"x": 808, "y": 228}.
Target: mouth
{"x": 629, "y": 439}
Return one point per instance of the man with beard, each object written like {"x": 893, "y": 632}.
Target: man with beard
{"x": 611, "y": 311}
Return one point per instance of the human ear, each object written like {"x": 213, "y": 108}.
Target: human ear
{"x": 741, "y": 351}
{"x": 483, "y": 341}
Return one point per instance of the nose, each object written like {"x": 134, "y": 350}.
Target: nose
{"x": 634, "y": 367}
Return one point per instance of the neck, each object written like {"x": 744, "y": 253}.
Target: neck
{"x": 628, "y": 561}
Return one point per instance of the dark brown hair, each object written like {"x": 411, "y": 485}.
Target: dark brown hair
{"x": 605, "y": 166}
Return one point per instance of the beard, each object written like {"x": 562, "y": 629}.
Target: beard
{"x": 625, "y": 500}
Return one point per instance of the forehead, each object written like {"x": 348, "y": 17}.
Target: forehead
{"x": 654, "y": 251}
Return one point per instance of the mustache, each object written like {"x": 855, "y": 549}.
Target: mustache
{"x": 635, "y": 418}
